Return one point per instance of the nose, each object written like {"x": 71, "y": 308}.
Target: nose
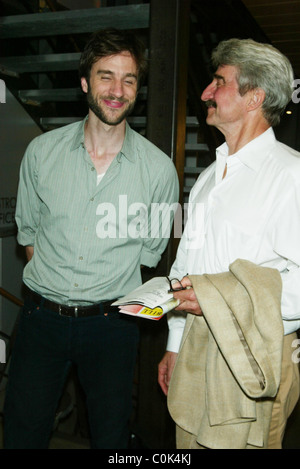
{"x": 117, "y": 88}
{"x": 209, "y": 91}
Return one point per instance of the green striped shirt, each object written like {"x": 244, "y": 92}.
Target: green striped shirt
{"x": 90, "y": 240}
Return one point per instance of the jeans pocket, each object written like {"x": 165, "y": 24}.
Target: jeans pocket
{"x": 30, "y": 309}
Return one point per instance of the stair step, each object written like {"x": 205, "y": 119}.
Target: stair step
{"x": 193, "y": 170}
{"x": 196, "y": 147}
{"x": 55, "y": 95}
{"x": 41, "y": 63}
{"x": 74, "y": 21}
{"x": 192, "y": 121}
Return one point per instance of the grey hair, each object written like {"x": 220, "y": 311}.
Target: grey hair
{"x": 259, "y": 66}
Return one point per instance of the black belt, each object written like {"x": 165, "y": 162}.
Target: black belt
{"x": 71, "y": 311}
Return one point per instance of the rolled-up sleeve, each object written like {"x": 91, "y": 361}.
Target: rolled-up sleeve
{"x": 28, "y": 203}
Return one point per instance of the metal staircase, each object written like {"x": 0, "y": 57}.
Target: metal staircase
{"x": 44, "y": 75}
{"x": 40, "y": 55}
{"x": 41, "y": 44}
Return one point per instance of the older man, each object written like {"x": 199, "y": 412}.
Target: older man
{"x": 251, "y": 200}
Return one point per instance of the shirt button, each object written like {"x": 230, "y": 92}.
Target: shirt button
{"x": 76, "y": 285}
{"x": 92, "y": 168}
{"x": 80, "y": 258}
{"x": 92, "y": 199}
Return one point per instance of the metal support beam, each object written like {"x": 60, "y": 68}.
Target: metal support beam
{"x": 74, "y": 21}
{"x": 167, "y": 83}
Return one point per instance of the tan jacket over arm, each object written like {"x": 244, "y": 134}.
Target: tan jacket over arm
{"x": 230, "y": 358}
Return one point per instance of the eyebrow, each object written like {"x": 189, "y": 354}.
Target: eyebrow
{"x": 104, "y": 71}
{"x": 219, "y": 77}
{"x": 131, "y": 75}
{"x": 109, "y": 72}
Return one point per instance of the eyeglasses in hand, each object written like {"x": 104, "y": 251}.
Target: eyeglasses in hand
{"x": 173, "y": 282}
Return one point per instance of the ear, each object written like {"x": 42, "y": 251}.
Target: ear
{"x": 84, "y": 85}
{"x": 256, "y": 98}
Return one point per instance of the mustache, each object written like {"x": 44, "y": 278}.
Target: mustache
{"x": 211, "y": 103}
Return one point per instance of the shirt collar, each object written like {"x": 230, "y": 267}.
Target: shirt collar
{"x": 79, "y": 135}
{"x": 128, "y": 148}
{"x": 253, "y": 154}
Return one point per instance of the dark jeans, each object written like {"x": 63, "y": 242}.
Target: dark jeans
{"x": 104, "y": 350}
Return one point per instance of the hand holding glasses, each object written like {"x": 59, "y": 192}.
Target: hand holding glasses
{"x": 188, "y": 301}
{"x": 175, "y": 285}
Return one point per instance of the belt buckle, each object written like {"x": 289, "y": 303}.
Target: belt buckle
{"x": 62, "y": 314}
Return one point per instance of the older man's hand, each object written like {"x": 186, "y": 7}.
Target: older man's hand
{"x": 187, "y": 298}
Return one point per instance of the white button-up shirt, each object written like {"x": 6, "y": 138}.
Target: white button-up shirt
{"x": 253, "y": 213}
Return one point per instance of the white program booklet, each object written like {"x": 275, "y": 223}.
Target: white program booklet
{"x": 150, "y": 301}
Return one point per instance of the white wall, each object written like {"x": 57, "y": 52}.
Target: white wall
{"x": 17, "y": 129}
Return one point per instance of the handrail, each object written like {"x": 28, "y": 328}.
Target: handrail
{"x": 10, "y": 338}
{"x": 11, "y": 297}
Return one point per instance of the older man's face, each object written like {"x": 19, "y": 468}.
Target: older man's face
{"x": 226, "y": 107}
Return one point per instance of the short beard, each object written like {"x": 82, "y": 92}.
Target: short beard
{"x": 94, "y": 106}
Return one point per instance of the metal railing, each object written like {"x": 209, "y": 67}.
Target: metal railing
{"x": 11, "y": 297}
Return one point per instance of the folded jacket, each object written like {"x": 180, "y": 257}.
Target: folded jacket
{"x": 228, "y": 369}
